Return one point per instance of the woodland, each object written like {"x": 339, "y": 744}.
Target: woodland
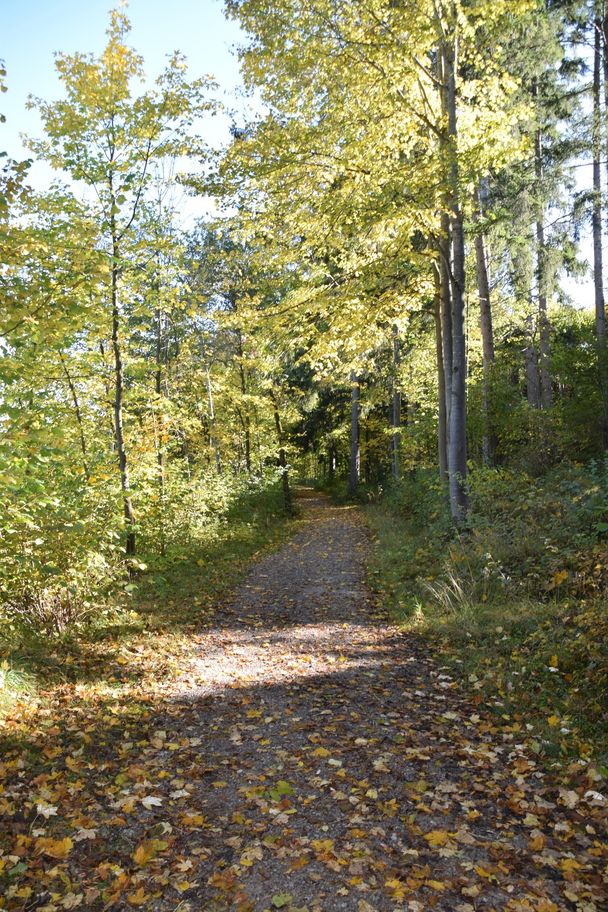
{"x": 372, "y": 355}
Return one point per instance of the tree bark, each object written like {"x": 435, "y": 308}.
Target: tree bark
{"x": 531, "y": 361}
{"x": 246, "y": 418}
{"x": 546, "y": 391}
{"x": 457, "y": 443}
{"x": 212, "y": 437}
{"x": 355, "y": 456}
{"x": 79, "y": 421}
{"x": 442, "y": 419}
{"x": 159, "y": 432}
{"x": 487, "y": 336}
{"x": 599, "y": 29}
{"x": 287, "y": 499}
{"x": 123, "y": 463}
{"x": 396, "y": 408}
{"x": 331, "y": 457}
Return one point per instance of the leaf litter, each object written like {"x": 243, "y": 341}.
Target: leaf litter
{"x": 300, "y": 754}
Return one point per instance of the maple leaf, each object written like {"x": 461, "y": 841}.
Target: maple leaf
{"x": 147, "y": 850}
{"x": 569, "y": 798}
{"x": 54, "y": 848}
{"x": 437, "y": 837}
{"x": 138, "y": 898}
{"x": 46, "y": 810}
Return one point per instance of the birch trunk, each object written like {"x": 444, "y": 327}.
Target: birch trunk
{"x": 441, "y": 395}
{"x": 396, "y": 408}
{"x": 159, "y": 432}
{"x": 457, "y": 444}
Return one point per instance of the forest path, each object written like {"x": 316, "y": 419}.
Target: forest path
{"x": 307, "y": 757}
{"x": 342, "y": 770}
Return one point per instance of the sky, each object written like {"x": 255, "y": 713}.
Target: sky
{"x": 32, "y": 30}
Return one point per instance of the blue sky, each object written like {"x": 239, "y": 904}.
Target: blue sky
{"x": 32, "y": 30}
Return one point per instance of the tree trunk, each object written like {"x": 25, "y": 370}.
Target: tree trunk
{"x": 546, "y": 392}
{"x": 487, "y": 337}
{"x": 531, "y": 360}
{"x": 396, "y": 408}
{"x": 602, "y": 10}
{"x": 445, "y": 257}
{"x": 123, "y": 464}
{"x": 287, "y": 500}
{"x": 74, "y": 394}
{"x": 599, "y": 28}
{"x": 331, "y": 456}
{"x": 109, "y": 398}
{"x": 355, "y": 457}
{"x": 159, "y": 431}
{"x": 442, "y": 423}
{"x": 246, "y": 419}
{"x": 457, "y": 443}
{"x": 367, "y": 471}
{"x": 212, "y": 438}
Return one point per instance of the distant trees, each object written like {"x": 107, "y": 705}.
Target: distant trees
{"x": 383, "y": 296}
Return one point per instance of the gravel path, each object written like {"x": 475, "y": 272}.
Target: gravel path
{"x": 350, "y": 772}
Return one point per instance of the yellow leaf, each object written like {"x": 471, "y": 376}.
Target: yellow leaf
{"x": 397, "y": 887}
{"x": 560, "y": 577}
{"x": 435, "y": 885}
{"x": 182, "y": 886}
{"x": 54, "y": 848}
{"x": 553, "y": 721}
{"x": 138, "y": 898}
{"x": 147, "y": 850}
{"x": 193, "y": 820}
{"x": 437, "y": 837}
{"x": 553, "y": 662}
{"x": 537, "y": 843}
{"x": 322, "y": 845}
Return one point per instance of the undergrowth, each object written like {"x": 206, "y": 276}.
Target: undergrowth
{"x": 516, "y": 602}
{"x": 156, "y": 612}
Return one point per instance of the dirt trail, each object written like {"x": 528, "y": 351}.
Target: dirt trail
{"x": 357, "y": 776}
{"x": 314, "y": 758}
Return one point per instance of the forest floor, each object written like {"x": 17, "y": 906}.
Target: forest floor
{"x": 299, "y": 753}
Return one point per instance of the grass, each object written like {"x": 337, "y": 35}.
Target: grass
{"x": 15, "y": 684}
{"x": 539, "y": 664}
{"x": 149, "y": 631}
